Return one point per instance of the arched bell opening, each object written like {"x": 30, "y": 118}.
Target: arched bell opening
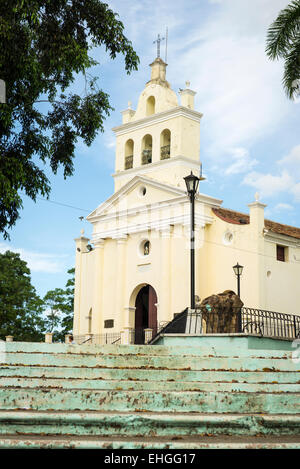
{"x": 129, "y": 148}
{"x": 165, "y": 144}
{"x": 147, "y": 149}
{"x": 150, "y": 106}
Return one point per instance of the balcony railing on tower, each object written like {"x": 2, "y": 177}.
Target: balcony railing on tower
{"x": 165, "y": 152}
{"x": 129, "y": 162}
{"x": 146, "y": 156}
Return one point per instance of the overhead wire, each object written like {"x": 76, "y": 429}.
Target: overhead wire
{"x": 64, "y": 205}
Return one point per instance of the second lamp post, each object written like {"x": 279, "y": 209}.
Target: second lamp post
{"x": 238, "y": 270}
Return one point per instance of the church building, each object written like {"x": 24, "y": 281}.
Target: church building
{"x": 134, "y": 273}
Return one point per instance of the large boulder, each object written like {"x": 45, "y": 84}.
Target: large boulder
{"x": 222, "y": 312}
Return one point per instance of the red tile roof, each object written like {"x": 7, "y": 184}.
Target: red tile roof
{"x": 237, "y": 218}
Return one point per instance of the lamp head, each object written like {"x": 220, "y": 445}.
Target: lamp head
{"x": 238, "y": 269}
{"x": 192, "y": 183}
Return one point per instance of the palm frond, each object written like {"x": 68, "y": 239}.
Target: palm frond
{"x": 291, "y": 77}
{"x": 283, "y": 30}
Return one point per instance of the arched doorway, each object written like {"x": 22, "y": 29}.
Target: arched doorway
{"x": 145, "y": 313}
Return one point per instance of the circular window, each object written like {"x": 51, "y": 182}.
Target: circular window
{"x": 142, "y": 191}
{"x": 228, "y": 238}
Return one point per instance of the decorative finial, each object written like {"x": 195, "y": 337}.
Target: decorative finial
{"x": 82, "y": 232}
{"x": 187, "y": 84}
{"x": 158, "y": 40}
{"x": 129, "y": 104}
{"x": 257, "y": 196}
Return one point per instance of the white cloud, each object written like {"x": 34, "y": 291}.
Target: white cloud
{"x": 242, "y": 162}
{"x": 239, "y": 90}
{"x": 269, "y": 185}
{"x": 288, "y": 179}
{"x": 37, "y": 261}
{"x": 291, "y": 162}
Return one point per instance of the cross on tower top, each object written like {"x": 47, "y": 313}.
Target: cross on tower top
{"x": 158, "y": 40}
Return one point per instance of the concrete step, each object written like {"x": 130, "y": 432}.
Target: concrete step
{"x": 153, "y": 401}
{"x": 134, "y": 374}
{"x": 189, "y": 443}
{"x": 150, "y": 362}
{"x": 142, "y": 424}
{"x": 149, "y": 385}
{"x": 217, "y": 345}
{"x": 226, "y": 394}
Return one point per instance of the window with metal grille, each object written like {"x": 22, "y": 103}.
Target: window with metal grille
{"x": 280, "y": 253}
{"x": 108, "y": 323}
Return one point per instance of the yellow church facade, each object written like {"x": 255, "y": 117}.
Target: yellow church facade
{"x": 134, "y": 272}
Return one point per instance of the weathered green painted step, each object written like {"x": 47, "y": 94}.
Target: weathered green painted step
{"x": 220, "y": 345}
{"x": 130, "y": 385}
{"x": 160, "y": 401}
{"x": 135, "y": 374}
{"x": 140, "y": 424}
{"x": 150, "y": 362}
{"x": 52, "y": 442}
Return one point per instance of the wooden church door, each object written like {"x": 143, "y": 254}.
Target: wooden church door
{"x": 152, "y": 310}
{"x": 145, "y": 313}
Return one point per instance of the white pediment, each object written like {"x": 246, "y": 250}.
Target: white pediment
{"x": 139, "y": 192}
{"x": 130, "y": 211}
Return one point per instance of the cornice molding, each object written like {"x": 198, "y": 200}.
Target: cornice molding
{"x": 178, "y": 111}
{"x": 154, "y": 225}
{"x": 148, "y": 168}
{"x": 280, "y": 238}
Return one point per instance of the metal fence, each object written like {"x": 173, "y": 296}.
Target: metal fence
{"x": 98, "y": 339}
{"x": 270, "y": 323}
{"x": 247, "y": 320}
{"x": 134, "y": 336}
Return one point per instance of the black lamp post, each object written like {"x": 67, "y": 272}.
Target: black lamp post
{"x": 238, "y": 270}
{"x": 192, "y": 183}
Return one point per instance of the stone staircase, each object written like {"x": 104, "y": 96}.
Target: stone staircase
{"x": 218, "y": 394}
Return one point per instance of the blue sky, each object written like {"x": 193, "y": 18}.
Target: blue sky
{"x": 250, "y": 138}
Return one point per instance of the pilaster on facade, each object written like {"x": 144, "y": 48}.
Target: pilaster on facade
{"x": 166, "y": 272}
{"x": 120, "y": 278}
{"x": 97, "y": 310}
{"x": 129, "y": 316}
{"x": 81, "y": 248}
{"x": 257, "y": 225}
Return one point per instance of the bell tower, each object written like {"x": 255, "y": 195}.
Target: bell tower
{"x": 161, "y": 138}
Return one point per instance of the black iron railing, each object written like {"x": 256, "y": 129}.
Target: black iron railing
{"x": 165, "y": 152}
{"x": 246, "y": 320}
{"x": 99, "y": 339}
{"x": 146, "y": 156}
{"x": 270, "y": 323}
{"x": 129, "y": 162}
